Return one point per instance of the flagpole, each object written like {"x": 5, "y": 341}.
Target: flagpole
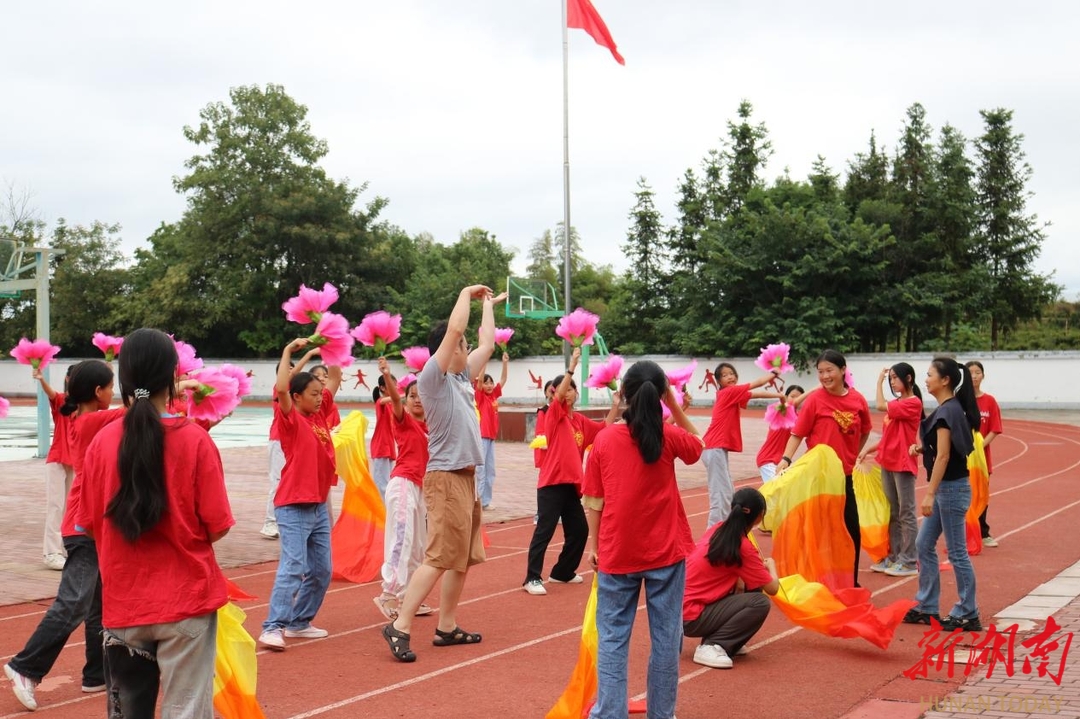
{"x": 566, "y": 169}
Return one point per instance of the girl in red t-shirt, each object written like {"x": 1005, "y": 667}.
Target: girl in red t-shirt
{"x": 487, "y": 394}
{"x": 898, "y": 468}
{"x": 772, "y": 449}
{"x": 406, "y": 514}
{"x": 58, "y": 473}
{"x": 725, "y": 434}
{"x": 726, "y": 576}
{"x": 558, "y": 491}
{"x": 990, "y": 428}
{"x": 639, "y": 534}
{"x": 383, "y": 450}
{"x": 838, "y": 416}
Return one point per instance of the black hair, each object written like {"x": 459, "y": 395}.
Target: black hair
{"x": 435, "y": 337}
{"x": 906, "y": 374}
{"x": 558, "y": 381}
{"x": 147, "y": 365}
{"x": 720, "y": 368}
{"x": 792, "y": 388}
{"x": 83, "y": 380}
{"x": 975, "y": 363}
{"x": 642, "y": 387}
{"x": 300, "y": 381}
{"x": 488, "y": 378}
{"x": 960, "y": 384}
{"x": 322, "y": 367}
{"x": 833, "y": 357}
{"x": 725, "y": 545}
{"x": 380, "y": 387}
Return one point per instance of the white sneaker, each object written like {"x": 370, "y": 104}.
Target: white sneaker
{"x": 880, "y": 566}
{"x": 989, "y": 542}
{"x": 93, "y": 689}
{"x": 308, "y": 632}
{"x": 269, "y": 529}
{"x": 23, "y": 688}
{"x": 712, "y": 655}
{"x": 535, "y": 587}
{"x": 902, "y": 570}
{"x": 578, "y": 579}
{"x": 55, "y": 561}
{"x": 273, "y": 639}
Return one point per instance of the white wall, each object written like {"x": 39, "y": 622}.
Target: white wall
{"x": 1019, "y": 380}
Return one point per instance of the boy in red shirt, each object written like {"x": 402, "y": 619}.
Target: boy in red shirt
{"x": 487, "y": 403}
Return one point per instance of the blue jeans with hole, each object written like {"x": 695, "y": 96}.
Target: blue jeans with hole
{"x": 950, "y": 506}
{"x": 304, "y": 569}
{"x": 616, "y": 607}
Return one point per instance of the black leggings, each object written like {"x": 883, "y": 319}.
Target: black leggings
{"x": 851, "y": 521}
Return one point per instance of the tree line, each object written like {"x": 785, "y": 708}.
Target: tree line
{"x": 929, "y": 246}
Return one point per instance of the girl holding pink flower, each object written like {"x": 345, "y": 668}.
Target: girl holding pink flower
{"x": 725, "y": 434}
{"x": 58, "y": 472}
{"x": 487, "y": 395}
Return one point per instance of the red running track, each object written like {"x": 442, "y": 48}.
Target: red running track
{"x": 530, "y": 643}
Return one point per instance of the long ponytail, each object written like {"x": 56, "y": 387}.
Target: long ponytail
{"x": 83, "y": 382}
{"x": 147, "y": 368}
{"x": 642, "y": 387}
{"x": 725, "y": 545}
{"x": 962, "y": 387}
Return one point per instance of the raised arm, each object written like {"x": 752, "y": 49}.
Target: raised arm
{"x": 284, "y": 374}
{"x": 764, "y": 380}
{"x": 49, "y": 391}
{"x": 879, "y": 402}
{"x": 479, "y": 357}
{"x": 333, "y": 379}
{"x": 457, "y": 324}
{"x": 568, "y": 376}
{"x": 299, "y": 366}
{"x": 505, "y": 370}
{"x": 678, "y": 414}
{"x": 391, "y": 389}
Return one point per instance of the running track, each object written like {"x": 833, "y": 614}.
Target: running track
{"x": 530, "y": 643}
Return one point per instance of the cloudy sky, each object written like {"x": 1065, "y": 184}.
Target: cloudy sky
{"x": 453, "y": 110}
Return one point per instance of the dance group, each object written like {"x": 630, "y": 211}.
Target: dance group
{"x": 147, "y": 501}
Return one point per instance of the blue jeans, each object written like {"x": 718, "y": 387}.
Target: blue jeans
{"x": 78, "y": 600}
{"x": 485, "y": 473}
{"x": 950, "y": 505}
{"x": 616, "y": 607}
{"x": 303, "y": 574}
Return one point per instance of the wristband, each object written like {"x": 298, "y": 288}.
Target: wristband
{"x": 786, "y": 459}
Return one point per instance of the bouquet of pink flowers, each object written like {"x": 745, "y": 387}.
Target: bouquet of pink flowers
{"x": 243, "y": 379}
{"x": 578, "y": 327}
{"x": 378, "y": 330}
{"x": 780, "y": 415}
{"x": 333, "y": 340}
{"x": 4, "y": 405}
{"x": 679, "y": 377}
{"x": 108, "y": 344}
{"x": 416, "y": 357}
{"x": 309, "y": 305}
{"x": 37, "y": 354}
{"x": 502, "y": 337}
{"x": 215, "y": 398}
{"x": 187, "y": 363}
{"x": 606, "y": 375}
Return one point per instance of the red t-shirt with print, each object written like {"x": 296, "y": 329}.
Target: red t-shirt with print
{"x": 725, "y": 430}
{"x": 643, "y": 524}
{"x": 706, "y": 583}
{"x": 382, "y": 437}
{"x": 898, "y": 433}
{"x": 839, "y": 421}
{"x": 411, "y": 436}
{"x": 310, "y": 465}
{"x": 990, "y": 422}
{"x": 169, "y": 573}
{"x": 488, "y": 405}
{"x": 567, "y": 437}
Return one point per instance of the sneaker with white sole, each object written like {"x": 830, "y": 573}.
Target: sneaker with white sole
{"x": 269, "y": 529}
{"x": 55, "y": 561}
{"x": 712, "y": 655}
{"x": 535, "y": 587}
{"x": 23, "y": 688}
{"x": 880, "y": 566}
{"x": 989, "y": 542}
{"x": 308, "y": 632}
{"x": 578, "y": 579}
{"x": 273, "y": 639}
{"x": 902, "y": 570}
{"x": 93, "y": 688}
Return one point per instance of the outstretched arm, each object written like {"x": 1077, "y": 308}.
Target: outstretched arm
{"x": 505, "y": 369}
{"x": 391, "y": 389}
{"x": 49, "y": 391}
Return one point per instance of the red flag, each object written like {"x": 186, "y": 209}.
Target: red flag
{"x": 582, "y": 15}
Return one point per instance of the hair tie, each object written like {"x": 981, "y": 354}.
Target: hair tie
{"x": 746, "y": 510}
{"x": 141, "y": 394}
{"x": 961, "y": 368}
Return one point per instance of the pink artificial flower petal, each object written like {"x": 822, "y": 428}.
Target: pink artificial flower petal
{"x": 679, "y": 377}
{"x": 4, "y": 405}
{"x": 37, "y": 354}
{"x": 334, "y": 340}
{"x": 778, "y": 420}
{"x": 416, "y": 357}
{"x": 405, "y": 381}
{"x": 109, "y": 345}
{"x": 849, "y": 380}
{"x": 187, "y": 362}
{"x": 578, "y": 327}
{"x": 243, "y": 381}
{"x": 309, "y": 305}
{"x": 502, "y": 336}
{"x": 378, "y": 327}
{"x": 216, "y": 398}
{"x": 775, "y": 358}
{"x": 606, "y": 375}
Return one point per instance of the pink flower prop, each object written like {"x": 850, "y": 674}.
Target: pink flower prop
{"x": 243, "y": 382}
{"x": 108, "y": 344}
{"x": 606, "y": 375}
{"x": 37, "y": 354}
{"x": 416, "y": 357}
{"x": 780, "y": 415}
{"x": 216, "y": 397}
{"x": 404, "y": 382}
{"x": 377, "y": 330}
{"x": 333, "y": 340}
{"x": 774, "y": 358}
{"x": 679, "y": 377}
{"x": 849, "y": 380}
{"x": 4, "y": 404}
{"x": 665, "y": 412}
{"x": 187, "y": 362}
{"x": 309, "y": 305}
{"x": 578, "y": 327}
{"x": 502, "y": 336}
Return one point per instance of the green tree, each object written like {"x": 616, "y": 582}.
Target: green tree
{"x": 1009, "y": 239}
{"x": 747, "y": 152}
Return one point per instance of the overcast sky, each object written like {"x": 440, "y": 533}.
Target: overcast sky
{"x": 453, "y": 110}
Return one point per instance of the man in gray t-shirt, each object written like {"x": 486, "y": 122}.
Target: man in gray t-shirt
{"x": 454, "y": 514}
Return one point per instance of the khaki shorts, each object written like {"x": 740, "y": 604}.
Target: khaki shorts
{"x": 453, "y": 520}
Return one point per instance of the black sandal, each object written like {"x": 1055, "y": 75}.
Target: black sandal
{"x": 399, "y": 643}
{"x": 455, "y": 636}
